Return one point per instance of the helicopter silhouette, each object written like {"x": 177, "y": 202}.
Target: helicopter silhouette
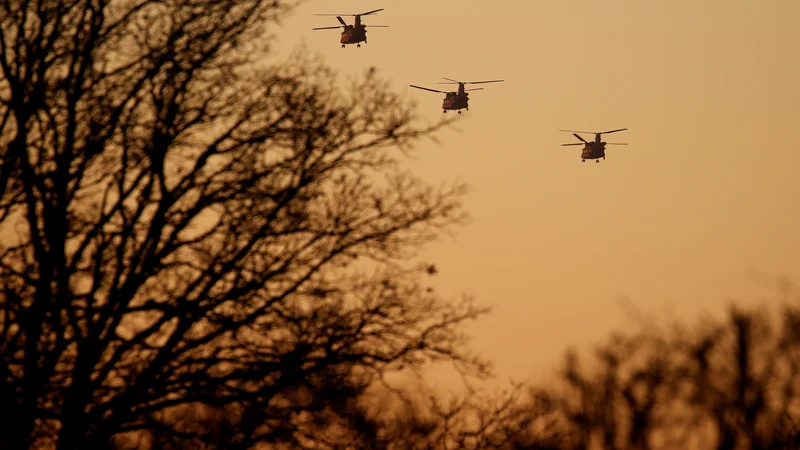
{"x": 352, "y": 34}
{"x": 596, "y": 149}
{"x": 456, "y": 101}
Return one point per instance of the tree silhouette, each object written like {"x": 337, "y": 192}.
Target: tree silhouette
{"x": 413, "y": 417}
{"x": 476, "y": 420}
{"x": 189, "y": 230}
{"x": 725, "y": 385}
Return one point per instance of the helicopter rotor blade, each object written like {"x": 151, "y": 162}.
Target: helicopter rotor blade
{"x": 480, "y": 82}
{"x": 576, "y": 143}
{"x": 426, "y": 89}
{"x": 579, "y": 137}
{"x": 369, "y": 12}
{"x": 338, "y": 17}
{"x": 473, "y": 89}
{"x": 326, "y": 28}
{"x": 575, "y": 131}
{"x": 350, "y": 15}
{"x": 612, "y": 131}
{"x": 594, "y": 132}
{"x": 468, "y": 82}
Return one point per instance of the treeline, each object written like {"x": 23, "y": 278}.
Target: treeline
{"x": 723, "y": 385}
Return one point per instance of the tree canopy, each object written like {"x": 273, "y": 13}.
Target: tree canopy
{"x": 188, "y": 226}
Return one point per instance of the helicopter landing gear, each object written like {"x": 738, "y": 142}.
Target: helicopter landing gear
{"x": 459, "y": 111}
{"x": 597, "y": 161}
{"x": 444, "y": 111}
{"x": 358, "y": 45}
{"x": 342, "y": 45}
{"x": 583, "y": 160}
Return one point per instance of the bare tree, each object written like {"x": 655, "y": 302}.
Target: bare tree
{"x": 730, "y": 384}
{"x": 415, "y": 417}
{"x": 615, "y": 403}
{"x": 742, "y": 379}
{"x": 187, "y": 228}
{"x": 373, "y": 416}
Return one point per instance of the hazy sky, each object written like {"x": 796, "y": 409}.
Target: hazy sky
{"x": 706, "y": 190}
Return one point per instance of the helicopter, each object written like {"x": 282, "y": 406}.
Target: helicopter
{"x": 593, "y": 150}
{"x": 456, "y": 101}
{"x": 352, "y": 34}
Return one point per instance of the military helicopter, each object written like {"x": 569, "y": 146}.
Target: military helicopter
{"x": 593, "y": 150}
{"x": 456, "y": 101}
{"x": 352, "y": 34}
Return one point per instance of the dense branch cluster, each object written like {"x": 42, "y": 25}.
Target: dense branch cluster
{"x": 184, "y": 226}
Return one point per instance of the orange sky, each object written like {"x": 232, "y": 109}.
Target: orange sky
{"x": 705, "y": 191}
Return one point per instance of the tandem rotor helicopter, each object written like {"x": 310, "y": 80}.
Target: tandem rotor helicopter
{"x": 456, "y": 101}
{"x": 593, "y": 150}
{"x": 352, "y": 34}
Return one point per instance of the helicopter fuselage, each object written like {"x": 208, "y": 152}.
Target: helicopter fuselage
{"x": 593, "y": 150}
{"x": 354, "y": 34}
{"x": 455, "y": 101}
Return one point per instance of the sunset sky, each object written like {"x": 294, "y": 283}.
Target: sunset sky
{"x": 705, "y": 192}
